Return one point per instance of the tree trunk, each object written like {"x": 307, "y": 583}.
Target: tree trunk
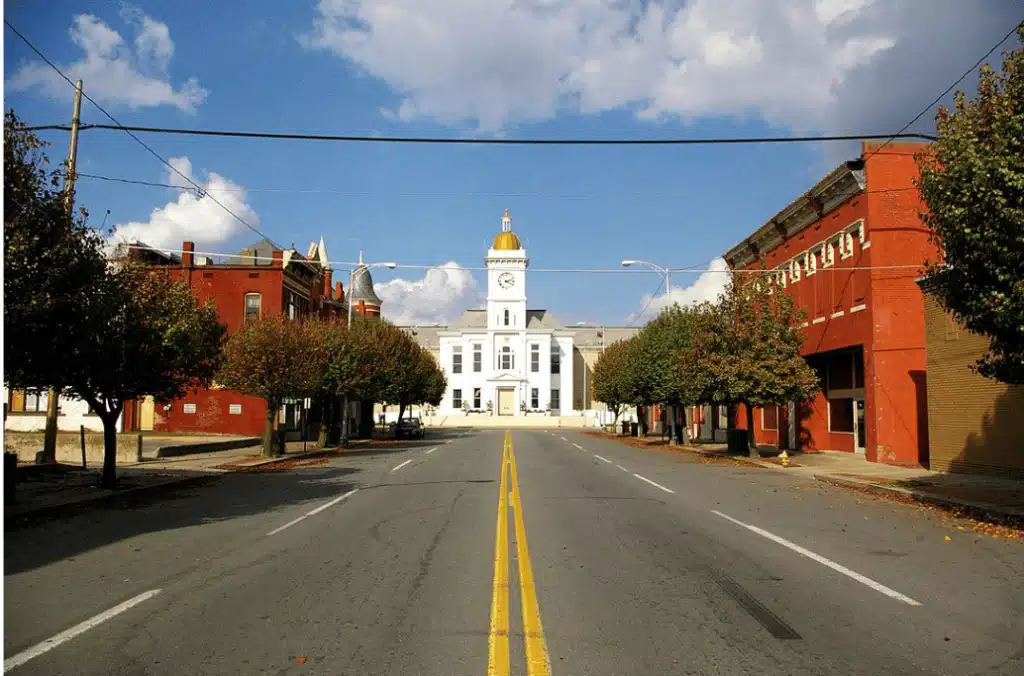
{"x": 670, "y": 410}
{"x": 751, "y": 441}
{"x": 50, "y": 432}
{"x": 326, "y": 409}
{"x": 684, "y": 429}
{"x": 108, "y": 479}
{"x": 269, "y": 442}
{"x": 401, "y": 412}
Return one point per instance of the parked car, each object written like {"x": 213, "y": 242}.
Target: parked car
{"x": 409, "y": 427}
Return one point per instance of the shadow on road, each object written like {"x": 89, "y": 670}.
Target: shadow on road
{"x": 223, "y": 498}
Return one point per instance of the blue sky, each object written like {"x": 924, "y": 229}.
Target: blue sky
{"x": 535, "y": 68}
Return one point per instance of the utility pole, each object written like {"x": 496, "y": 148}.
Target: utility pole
{"x": 50, "y": 435}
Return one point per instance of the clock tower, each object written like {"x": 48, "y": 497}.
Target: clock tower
{"x": 506, "y": 280}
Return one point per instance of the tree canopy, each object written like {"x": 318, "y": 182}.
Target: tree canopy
{"x": 276, "y": 358}
{"x": 745, "y": 348}
{"x": 972, "y": 182}
{"x": 51, "y": 259}
{"x": 611, "y": 378}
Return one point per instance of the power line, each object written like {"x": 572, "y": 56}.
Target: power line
{"x": 941, "y": 96}
{"x": 633, "y": 271}
{"x": 349, "y": 138}
{"x": 349, "y": 193}
{"x": 650, "y": 299}
{"x": 117, "y": 125}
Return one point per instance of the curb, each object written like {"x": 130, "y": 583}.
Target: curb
{"x": 687, "y": 448}
{"x": 175, "y": 450}
{"x": 922, "y": 496}
{"x": 320, "y": 452}
{"x": 15, "y": 521}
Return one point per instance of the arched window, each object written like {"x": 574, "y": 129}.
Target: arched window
{"x": 507, "y": 359}
{"x": 506, "y": 317}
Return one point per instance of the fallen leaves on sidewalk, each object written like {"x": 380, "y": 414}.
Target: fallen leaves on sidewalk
{"x": 997, "y": 526}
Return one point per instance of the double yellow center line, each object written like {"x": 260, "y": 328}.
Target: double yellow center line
{"x": 537, "y": 662}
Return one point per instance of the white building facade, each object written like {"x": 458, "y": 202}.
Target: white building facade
{"x": 507, "y": 360}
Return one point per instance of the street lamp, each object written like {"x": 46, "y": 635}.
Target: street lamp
{"x": 363, "y": 267}
{"x": 668, "y": 292}
{"x": 657, "y": 268}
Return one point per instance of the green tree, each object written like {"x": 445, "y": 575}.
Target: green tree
{"x": 51, "y": 258}
{"x": 138, "y": 333}
{"x": 348, "y": 368}
{"x": 406, "y": 373}
{"x": 276, "y": 359}
{"x": 972, "y": 182}
{"x": 747, "y": 349}
{"x": 658, "y": 368}
{"x": 611, "y": 378}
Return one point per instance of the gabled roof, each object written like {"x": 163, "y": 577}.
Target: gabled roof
{"x": 471, "y": 319}
{"x": 542, "y": 319}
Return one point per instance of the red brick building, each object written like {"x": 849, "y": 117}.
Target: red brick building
{"x": 261, "y": 281}
{"x": 849, "y": 251}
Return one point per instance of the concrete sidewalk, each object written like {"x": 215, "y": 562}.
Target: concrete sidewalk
{"x": 993, "y": 495}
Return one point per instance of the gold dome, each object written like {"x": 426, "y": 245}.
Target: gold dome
{"x": 506, "y": 241}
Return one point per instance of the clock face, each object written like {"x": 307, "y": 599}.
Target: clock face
{"x": 506, "y": 280}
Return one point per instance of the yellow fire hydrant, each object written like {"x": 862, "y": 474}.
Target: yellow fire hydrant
{"x": 784, "y": 458}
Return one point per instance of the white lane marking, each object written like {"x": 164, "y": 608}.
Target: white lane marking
{"x": 450, "y": 441}
{"x": 68, "y": 634}
{"x": 579, "y": 447}
{"x": 401, "y": 465}
{"x": 602, "y": 459}
{"x": 333, "y": 502}
{"x": 654, "y": 483}
{"x": 430, "y": 450}
{"x": 878, "y": 587}
{"x": 312, "y": 512}
{"x": 622, "y": 468}
{"x": 563, "y": 438}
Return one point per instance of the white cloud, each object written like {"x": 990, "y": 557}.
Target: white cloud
{"x": 707, "y": 287}
{"x": 441, "y": 296}
{"x": 791, "y": 62}
{"x": 191, "y": 217}
{"x": 115, "y": 71}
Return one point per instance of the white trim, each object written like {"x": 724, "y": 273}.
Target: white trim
{"x": 866, "y": 245}
{"x": 858, "y": 308}
{"x": 804, "y": 325}
{"x": 818, "y": 320}
{"x": 835, "y": 315}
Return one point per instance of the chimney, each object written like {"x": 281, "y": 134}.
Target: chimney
{"x": 188, "y": 254}
{"x": 326, "y": 290}
{"x": 339, "y": 293}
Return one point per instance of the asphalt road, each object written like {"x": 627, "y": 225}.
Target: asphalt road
{"x": 596, "y": 558}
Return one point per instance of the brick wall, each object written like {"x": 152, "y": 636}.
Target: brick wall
{"x": 974, "y": 423}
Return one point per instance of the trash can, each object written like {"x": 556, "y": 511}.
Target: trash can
{"x": 634, "y": 429}
{"x": 625, "y": 427}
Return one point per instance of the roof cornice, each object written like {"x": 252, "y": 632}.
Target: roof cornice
{"x": 842, "y": 184}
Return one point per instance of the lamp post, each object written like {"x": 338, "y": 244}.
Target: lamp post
{"x": 351, "y": 280}
{"x": 668, "y": 292}
{"x": 657, "y": 268}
